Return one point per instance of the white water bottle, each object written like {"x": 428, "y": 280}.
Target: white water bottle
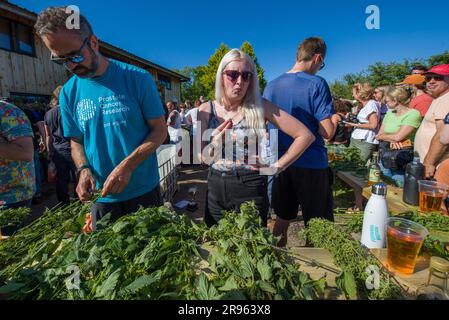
{"x": 375, "y": 218}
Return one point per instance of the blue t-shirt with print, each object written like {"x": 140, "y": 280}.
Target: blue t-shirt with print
{"x": 306, "y": 97}
{"x": 110, "y": 113}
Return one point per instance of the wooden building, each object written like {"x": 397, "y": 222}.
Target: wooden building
{"x": 28, "y": 75}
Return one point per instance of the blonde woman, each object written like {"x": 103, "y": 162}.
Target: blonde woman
{"x": 364, "y": 135}
{"x": 239, "y": 113}
{"x": 400, "y": 124}
{"x": 379, "y": 96}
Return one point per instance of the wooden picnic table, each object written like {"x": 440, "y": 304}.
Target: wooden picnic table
{"x": 410, "y": 283}
{"x": 318, "y": 263}
{"x": 394, "y": 199}
{"x": 362, "y": 192}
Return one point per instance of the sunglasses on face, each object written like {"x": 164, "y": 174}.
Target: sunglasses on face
{"x": 76, "y": 58}
{"x": 435, "y": 77}
{"x": 233, "y": 75}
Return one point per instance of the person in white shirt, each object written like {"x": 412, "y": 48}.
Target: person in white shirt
{"x": 191, "y": 119}
{"x": 192, "y": 122}
{"x": 174, "y": 123}
{"x": 364, "y": 135}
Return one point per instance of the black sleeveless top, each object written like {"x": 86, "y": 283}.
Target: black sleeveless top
{"x": 341, "y": 135}
{"x": 240, "y": 149}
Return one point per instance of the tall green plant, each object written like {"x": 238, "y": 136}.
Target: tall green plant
{"x": 207, "y": 79}
{"x": 248, "y": 48}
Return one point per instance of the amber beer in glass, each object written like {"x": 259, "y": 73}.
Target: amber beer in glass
{"x": 431, "y": 195}
{"x": 404, "y": 241}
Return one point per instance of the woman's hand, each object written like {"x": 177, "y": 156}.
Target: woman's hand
{"x": 396, "y": 145}
{"x": 216, "y": 141}
{"x": 218, "y": 133}
{"x": 265, "y": 169}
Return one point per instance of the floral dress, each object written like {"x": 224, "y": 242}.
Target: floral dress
{"x": 17, "y": 178}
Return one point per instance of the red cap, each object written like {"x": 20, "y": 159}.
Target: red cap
{"x": 442, "y": 70}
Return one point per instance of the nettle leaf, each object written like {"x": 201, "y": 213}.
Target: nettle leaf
{"x": 206, "y": 291}
{"x": 230, "y": 284}
{"x": 224, "y": 244}
{"x": 241, "y": 221}
{"x": 94, "y": 259}
{"x": 303, "y": 277}
{"x": 246, "y": 263}
{"x": 103, "y": 223}
{"x": 265, "y": 271}
{"x": 320, "y": 284}
{"x": 76, "y": 246}
{"x": 233, "y": 295}
{"x": 146, "y": 253}
{"x": 308, "y": 292}
{"x": 120, "y": 226}
{"x": 219, "y": 257}
{"x": 141, "y": 283}
{"x": 265, "y": 286}
{"x": 234, "y": 269}
{"x": 282, "y": 283}
{"x": 107, "y": 288}
{"x": 346, "y": 283}
{"x": 11, "y": 287}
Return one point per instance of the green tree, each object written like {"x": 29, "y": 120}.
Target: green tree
{"x": 380, "y": 74}
{"x": 341, "y": 89}
{"x": 192, "y": 89}
{"x": 248, "y": 48}
{"x": 209, "y": 72}
{"x": 439, "y": 59}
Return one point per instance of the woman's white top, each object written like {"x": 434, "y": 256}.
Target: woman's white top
{"x": 367, "y": 134}
{"x": 194, "y": 115}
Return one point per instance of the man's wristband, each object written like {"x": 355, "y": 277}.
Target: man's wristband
{"x": 80, "y": 169}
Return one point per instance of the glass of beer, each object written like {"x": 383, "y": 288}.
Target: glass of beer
{"x": 431, "y": 195}
{"x": 404, "y": 241}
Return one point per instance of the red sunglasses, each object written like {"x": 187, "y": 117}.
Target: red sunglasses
{"x": 233, "y": 75}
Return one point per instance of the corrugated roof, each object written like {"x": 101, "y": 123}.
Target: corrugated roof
{"x": 8, "y": 6}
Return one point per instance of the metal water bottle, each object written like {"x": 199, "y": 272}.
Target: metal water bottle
{"x": 413, "y": 173}
{"x": 375, "y": 218}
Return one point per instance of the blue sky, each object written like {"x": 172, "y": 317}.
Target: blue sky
{"x": 178, "y": 33}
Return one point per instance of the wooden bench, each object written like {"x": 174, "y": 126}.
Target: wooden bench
{"x": 362, "y": 192}
{"x": 357, "y": 183}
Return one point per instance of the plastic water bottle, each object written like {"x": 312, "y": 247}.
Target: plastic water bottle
{"x": 413, "y": 173}
{"x": 375, "y": 218}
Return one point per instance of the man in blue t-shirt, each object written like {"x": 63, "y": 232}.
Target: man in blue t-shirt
{"x": 308, "y": 182}
{"x": 114, "y": 116}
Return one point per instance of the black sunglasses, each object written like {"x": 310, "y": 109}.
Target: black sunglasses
{"x": 435, "y": 77}
{"x": 233, "y": 75}
{"x": 76, "y": 58}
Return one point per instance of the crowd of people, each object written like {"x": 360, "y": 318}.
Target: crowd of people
{"x": 106, "y": 123}
{"x": 416, "y": 111}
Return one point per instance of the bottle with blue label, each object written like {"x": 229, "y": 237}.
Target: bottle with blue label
{"x": 375, "y": 218}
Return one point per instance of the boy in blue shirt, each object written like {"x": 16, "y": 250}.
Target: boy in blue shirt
{"x": 114, "y": 116}
{"x": 308, "y": 182}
